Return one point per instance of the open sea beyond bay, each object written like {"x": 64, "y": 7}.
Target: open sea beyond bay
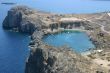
{"x": 14, "y": 46}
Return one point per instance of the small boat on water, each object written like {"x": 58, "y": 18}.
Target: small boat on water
{"x": 8, "y": 3}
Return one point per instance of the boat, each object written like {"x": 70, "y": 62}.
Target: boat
{"x": 8, "y": 3}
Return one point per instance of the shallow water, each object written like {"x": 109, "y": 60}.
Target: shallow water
{"x": 78, "y": 41}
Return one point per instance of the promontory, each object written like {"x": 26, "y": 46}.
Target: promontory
{"x": 44, "y": 58}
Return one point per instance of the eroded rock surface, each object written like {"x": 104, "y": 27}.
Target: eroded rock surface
{"x": 44, "y": 58}
{"x": 22, "y": 19}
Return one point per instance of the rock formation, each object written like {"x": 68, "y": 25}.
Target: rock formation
{"x": 22, "y": 19}
{"x": 44, "y": 58}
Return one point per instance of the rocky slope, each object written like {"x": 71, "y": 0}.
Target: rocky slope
{"x": 22, "y": 19}
{"x": 44, "y": 58}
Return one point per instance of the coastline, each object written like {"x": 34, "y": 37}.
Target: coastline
{"x": 46, "y": 53}
{"x": 90, "y": 52}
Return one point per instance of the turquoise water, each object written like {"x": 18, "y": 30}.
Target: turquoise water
{"x": 13, "y": 46}
{"x": 78, "y": 41}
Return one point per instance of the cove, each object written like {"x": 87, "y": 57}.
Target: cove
{"x": 14, "y": 46}
{"x": 78, "y": 41}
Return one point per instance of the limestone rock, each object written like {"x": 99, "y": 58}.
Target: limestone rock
{"x": 44, "y": 58}
{"x": 21, "y": 17}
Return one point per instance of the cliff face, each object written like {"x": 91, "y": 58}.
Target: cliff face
{"x": 48, "y": 59}
{"x": 44, "y": 58}
{"x": 21, "y": 19}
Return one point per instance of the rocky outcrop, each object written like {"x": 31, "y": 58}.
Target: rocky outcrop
{"x": 22, "y": 19}
{"x": 48, "y": 59}
{"x": 44, "y": 58}
{"x": 40, "y": 62}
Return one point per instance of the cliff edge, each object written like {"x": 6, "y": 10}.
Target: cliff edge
{"x": 22, "y": 19}
{"x": 44, "y": 58}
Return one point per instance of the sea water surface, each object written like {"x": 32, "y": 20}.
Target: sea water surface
{"x": 13, "y": 46}
{"x": 78, "y": 41}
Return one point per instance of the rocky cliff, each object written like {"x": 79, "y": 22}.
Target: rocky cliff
{"x": 22, "y": 19}
{"x": 48, "y": 59}
{"x": 44, "y": 58}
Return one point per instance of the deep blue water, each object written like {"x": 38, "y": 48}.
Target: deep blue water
{"x": 66, "y": 6}
{"x": 78, "y": 41}
{"x": 13, "y": 46}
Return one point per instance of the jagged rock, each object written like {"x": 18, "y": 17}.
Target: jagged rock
{"x": 39, "y": 61}
{"x": 44, "y": 58}
{"x": 12, "y": 20}
{"x": 21, "y": 17}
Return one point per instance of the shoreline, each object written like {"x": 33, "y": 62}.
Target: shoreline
{"x": 41, "y": 54}
{"x": 90, "y": 52}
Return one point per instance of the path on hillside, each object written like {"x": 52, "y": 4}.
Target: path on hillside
{"x": 102, "y": 26}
